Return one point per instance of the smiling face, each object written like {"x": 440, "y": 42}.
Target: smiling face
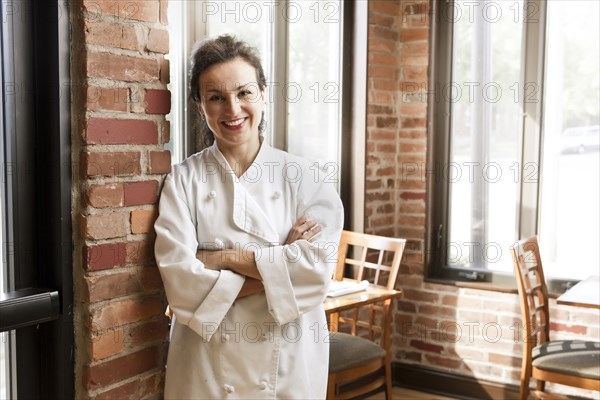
{"x": 232, "y": 103}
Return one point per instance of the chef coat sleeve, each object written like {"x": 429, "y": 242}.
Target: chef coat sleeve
{"x": 296, "y": 277}
{"x": 198, "y": 296}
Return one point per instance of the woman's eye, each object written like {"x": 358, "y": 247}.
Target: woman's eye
{"x": 245, "y": 93}
{"x": 215, "y": 98}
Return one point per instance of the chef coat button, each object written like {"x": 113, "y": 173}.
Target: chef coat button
{"x": 263, "y": 385}
{"x": 212, "y": 194}
{"x": 276, "y": 194}
{"x": 226, "y": 337}
{"x": 219, "y": 243}
{"x": 229, "y": 388}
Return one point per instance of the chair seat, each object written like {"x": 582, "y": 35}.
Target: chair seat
{"x": 347, "y": 351}
{"x": 573, "y": 357}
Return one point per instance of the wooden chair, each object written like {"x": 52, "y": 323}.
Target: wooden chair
{"x": 566, "y": 362}
{"x": 355, "y": 354}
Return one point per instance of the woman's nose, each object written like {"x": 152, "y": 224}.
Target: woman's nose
{"x": 232, "y": 103}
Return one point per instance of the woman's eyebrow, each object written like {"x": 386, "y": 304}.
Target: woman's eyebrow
{"x": 216, "y": 89}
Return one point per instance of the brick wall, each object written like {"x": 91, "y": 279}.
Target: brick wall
{"x": 120, "y": 100}
{"x": 471, "y": 332}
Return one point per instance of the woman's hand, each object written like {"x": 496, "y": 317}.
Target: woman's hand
{"x": 212, "y": 259}
{"x": 305, "y": 228}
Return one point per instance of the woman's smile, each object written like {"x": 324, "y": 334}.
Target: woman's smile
{"x": 234, "y": 124}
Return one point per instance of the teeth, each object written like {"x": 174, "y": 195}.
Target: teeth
{"x": 234, "y": 123}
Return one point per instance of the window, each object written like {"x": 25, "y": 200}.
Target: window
{"x": 514, "y": 145}
{"x": 300, "y": 46}
{"x": 36, "y": 325}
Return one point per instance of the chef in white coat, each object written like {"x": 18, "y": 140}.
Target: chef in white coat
{"x": 246, "y": 244}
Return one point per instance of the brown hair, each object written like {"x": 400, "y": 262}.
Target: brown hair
{"x": 209, "y": 52}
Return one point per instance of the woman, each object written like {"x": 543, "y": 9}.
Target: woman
{"x": 246, "y": 245}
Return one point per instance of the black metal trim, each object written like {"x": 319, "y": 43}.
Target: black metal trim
{"x": 27, "y": 307}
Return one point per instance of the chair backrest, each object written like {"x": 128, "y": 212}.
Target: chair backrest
{"x": 376, "y": 259}
{"x": 533, "y": 292}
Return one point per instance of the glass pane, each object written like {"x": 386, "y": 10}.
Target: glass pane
{"x": 485, "y": 132}
{"x": 249, "y": 21}
{"x": 570, "y": 190}
{"x": 313, "y": 92}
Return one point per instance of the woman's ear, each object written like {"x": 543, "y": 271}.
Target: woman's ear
{"x": 263, "y": 95}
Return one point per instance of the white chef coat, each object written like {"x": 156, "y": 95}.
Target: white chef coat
{"x": 272, "y": 345}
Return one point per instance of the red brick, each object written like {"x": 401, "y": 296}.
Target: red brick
{"x": 381, "y": 20}
{"x": 415, "y": 74}
{"x": 421, "y": 345}
{"x": 419, "y": 295}
{"x": 386, "y": 147}
{"x": 103, "y": 287}
{"x": 383, "y": 59}
{"x": 413, "y": 61}
{"x": 121, "y": 368}
{"x": 110, "y": 163}
{"x": 142, "y": 221}
{"x": 413, "y": 122}
{"x": 140, "y": 252}
{"x": 117, "y": 313}
{"x": 102, "y": 196}
{"x": 443, "y": 361}
{"x": 127, "y": 391}
{"x": 149, "y": 332}
{"x": 373, "y": 184}
{"x": 158, "y": 41}
{"x": 152, "y": 385}
{"x": 121, "y": 131}
{"x": 411, "y": 184}
{"x": 165, "y": 75}
{"x": 580, "y": 329}
{"x": 109, "y": 99}
{"x": 106, "y": 345}
{"x": 166, "y": 132}
{"x": 150, "y": 279}
{"x": 387, "y": 122}
{"x": 163, "y": 12}
{"x": 110, "y": 34}
{"x": 412, "y": 195}
{"x": 158, "y": 101}
{"x": 383, "y": 134}
{"x": 418, "y": 48}
{"x": 138, "y": 193}
{"x": 385, "y": 7}
{"x": 389, "y": 85}
{"x": 160, "y": 162}
{"x": 104, "y": 256}
{"x": 140, "y": 10}
{"x": 415, "y": 34}
{"x": 412, "y": 148}
{"x": 104, "y": 226}
{"x": 122, "y": 68}
{"x": 378, "y": 44}
{"x": 382, "y": 33}
{"x": 381, "y": 72}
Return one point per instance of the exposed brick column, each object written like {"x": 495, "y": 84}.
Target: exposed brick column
{"x": 120, "y": 99}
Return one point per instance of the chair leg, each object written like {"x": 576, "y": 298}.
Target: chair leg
{"x": 388, "y": 380}
{"x": 525, "y": 377}
{"x": 331, "y": 387}
{"x": 540, "y": 385}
